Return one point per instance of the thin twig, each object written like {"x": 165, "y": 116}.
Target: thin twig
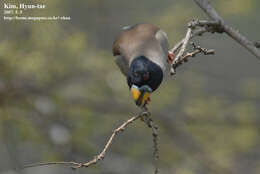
{"x": 205, "y": 26}
{"x": 184, "y": 45}
{"x": 181, "y": 52}
{"x": 71, "y": 163}
{"x": 198, "y": 32}
{"x": 210, "y": 25}
{"x": 202, "y": 23}
{"x": 149, "y": 122}
{"x": 196, "y": 50}
{"x": 202, "y": 50}
{"x": 76, "y": 165}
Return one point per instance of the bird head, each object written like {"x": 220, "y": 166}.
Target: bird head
{"x": 144, "y": 77}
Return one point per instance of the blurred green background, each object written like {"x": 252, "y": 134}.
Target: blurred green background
{"x": 61, "y": 93}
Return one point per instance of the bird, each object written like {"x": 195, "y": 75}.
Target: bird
{"x": 142, "y": 54}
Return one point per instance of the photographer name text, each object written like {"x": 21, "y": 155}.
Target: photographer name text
{"x": 24, "y": 6}
{"x": 24, "y": 11}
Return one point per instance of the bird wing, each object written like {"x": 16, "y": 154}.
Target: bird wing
{"x": 162, "y": 38}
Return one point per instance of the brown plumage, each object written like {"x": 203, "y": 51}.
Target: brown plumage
{"x": 141, "y": 53}
{"x": 141, "y": 40}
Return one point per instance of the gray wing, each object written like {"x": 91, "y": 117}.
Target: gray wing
{"x": 121, "y": 49}
{"x": 162, "y": 38}
{"x": 122, "y": 64}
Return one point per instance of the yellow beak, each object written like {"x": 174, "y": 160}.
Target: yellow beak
{"x": 139, "y": 95}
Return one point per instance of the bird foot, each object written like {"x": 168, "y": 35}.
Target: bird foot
{"x": 148, "y": 100}
{"x": 170, "y": 57}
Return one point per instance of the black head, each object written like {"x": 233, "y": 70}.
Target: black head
{"x": 144, "y": 72}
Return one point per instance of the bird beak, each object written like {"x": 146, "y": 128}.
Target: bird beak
{"x": 140, "y": 95}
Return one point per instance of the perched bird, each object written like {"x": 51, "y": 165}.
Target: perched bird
{"x": 141, "y": 53}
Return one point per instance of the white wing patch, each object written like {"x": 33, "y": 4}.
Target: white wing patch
{"x": 126, "y": 27}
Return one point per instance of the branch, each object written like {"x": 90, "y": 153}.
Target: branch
{"x": 96, "y": 159}
{"x": 196, "y": 50}
{"x": 234, "y": 34}
{"x": 181, "y": 52}
{"x": 149, "y": 122}
{"x": 205, "y": 26}
{"x": 215, "y": 24}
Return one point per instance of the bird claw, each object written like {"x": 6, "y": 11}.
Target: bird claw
{"x": 147, "y": 101}
{"x": 170, "y": 57}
